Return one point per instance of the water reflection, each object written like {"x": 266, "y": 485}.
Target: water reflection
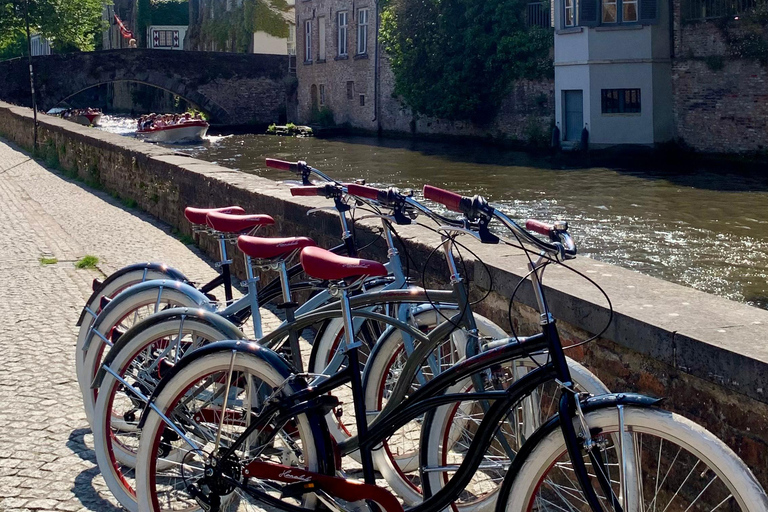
{"x": 700, "y": 228}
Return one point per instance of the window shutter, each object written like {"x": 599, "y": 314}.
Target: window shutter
{"x": 649, "y": 12}
{"x": 589, "y": 13}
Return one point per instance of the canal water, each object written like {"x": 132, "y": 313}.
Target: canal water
{"x": 699, "y": 228}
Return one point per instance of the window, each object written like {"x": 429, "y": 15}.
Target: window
{"x": 308, "y": 41}
{"x": 362, "y": 31}
{"x": 350, "y": 90}
{"x": 322, "y": 95}
{"x": 569, "y": 18}
{"x": 291, "y": 39}
{"x": 619, "y": 11}
{"x": 620, "y": 101}
{"x": 362, "y": 100}
{"x": 321, "y": 38}
{"x": 342, "y": 39}
{"x": 165, "y": 38}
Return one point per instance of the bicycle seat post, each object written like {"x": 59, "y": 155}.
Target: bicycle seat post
{"x": 224, "y": 264}
{"x": 253, "y": 296}
{"x": 290, "y": 307}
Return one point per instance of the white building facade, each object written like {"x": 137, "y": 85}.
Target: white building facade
{"x": 613, "y": 72}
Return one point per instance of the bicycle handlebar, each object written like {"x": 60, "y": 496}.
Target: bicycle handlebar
{"x": 301, "y": 168}
{"x": 282, "y": 165}
{"x": 561, "y": 245}
{"x": 539, "y": 227}
{"x": 367, "y": 192}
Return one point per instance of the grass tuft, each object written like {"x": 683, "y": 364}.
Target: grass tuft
{"x": 48, "y": 261}
{"x": 87, "y": 261}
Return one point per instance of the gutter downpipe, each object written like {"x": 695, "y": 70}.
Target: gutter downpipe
{"x": 376, "y": 88}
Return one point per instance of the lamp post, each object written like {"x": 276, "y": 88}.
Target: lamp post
{"x": 31, "y": 71}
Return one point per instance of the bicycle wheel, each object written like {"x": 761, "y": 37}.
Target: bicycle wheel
{"x": 141, "y": 362}
{"x": 448, "y": 431}
{"x": 669, "y": 464}
{"x": 111, "y": 289}
{"x": 129, "y": 310}
{"x": 194, "y": 398}
{"x": 398, "y": 458}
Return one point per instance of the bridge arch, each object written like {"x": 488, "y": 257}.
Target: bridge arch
{"x": 204, "y": 103}
{"x": 232, "y": 88}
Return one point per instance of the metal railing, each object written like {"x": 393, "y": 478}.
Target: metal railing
{"x": 539, "y": 15}
{"x": 699, "y": 10}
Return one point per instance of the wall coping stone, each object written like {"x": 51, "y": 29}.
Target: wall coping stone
{"x": 704, "y": 335}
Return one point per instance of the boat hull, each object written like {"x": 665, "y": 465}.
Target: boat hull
{"x": 89, "y": 120}
{"x": 175, "y": 134}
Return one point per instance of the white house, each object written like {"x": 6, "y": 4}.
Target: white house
{"x": 40, "y": 45}
{"x": 166, "y": 37}
{"x": 613, "y": 71}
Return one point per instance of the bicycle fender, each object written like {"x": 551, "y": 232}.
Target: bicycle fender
{"x": 249, "y": 348}
{"x": 230, "y": 331}
{"x": 588, "y": 405}
{"x": 188, "y": 290}
{"x": 174, "y": 274}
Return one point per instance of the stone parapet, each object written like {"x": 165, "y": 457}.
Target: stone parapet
{"x": 706, "y": 354}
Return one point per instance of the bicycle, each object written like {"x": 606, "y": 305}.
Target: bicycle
{"x": 101, "y": 429}
{"x": 292, "y": 407}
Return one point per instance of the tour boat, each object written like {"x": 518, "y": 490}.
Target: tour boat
{"x": 85, "y": 117}
{"x": 187, "y": 131}
{"x": 89, "y": 119}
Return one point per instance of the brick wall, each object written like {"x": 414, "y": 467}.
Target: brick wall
{"x": 720, "y": 100}
{"x": 344, "y": 84}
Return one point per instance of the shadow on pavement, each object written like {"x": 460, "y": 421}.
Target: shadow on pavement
{"x": 83, "y": 488}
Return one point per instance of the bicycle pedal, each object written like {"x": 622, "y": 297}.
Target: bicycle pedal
{"x": 286, "y": 305}
{"x": 297, "y": 489}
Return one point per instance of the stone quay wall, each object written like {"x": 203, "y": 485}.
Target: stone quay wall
{"x": 706, "y": 354}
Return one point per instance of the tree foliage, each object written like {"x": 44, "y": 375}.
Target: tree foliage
{"x": 456, "y": 59}
{"x": 68, "y": 24}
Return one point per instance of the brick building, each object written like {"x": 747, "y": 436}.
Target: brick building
{"x": 337, "y": 56}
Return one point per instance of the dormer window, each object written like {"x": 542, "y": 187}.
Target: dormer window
{"x": 619, "y": 11}
{"x": 569, "y": 13}
{"x": 592, "y": 13}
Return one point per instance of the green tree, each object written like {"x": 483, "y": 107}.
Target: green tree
{"x": 68, "y": 24}
{"x": 456, "y": 59}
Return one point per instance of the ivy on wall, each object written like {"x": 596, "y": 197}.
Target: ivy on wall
{"x": 747, "y": 36}
{"x": 456, "y": 59}
{"x": 236, "y": 26}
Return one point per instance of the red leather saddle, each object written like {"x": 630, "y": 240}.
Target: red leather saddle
{"x": 228, "y": 223}
{"x": 197, "y": 215}
{"x": 267, "y": 248}
{"x": 322, "y": 264}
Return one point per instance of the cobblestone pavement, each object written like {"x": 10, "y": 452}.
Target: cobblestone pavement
{"x": 46, "y": 456}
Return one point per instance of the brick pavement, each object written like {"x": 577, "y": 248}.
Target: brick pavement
{"x": 46, "y": 456}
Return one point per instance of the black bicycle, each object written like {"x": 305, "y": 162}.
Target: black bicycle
{"x": 231, "y": 425}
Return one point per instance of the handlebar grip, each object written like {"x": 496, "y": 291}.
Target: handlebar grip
{"x": 365, "y": 191}
{"x": 539, "y": 227}
{"x": 281, "y": 164}
{"x": 308, "y": 191}
{"x": 450, "y": 200}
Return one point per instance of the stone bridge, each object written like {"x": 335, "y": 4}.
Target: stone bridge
{"x": 234, "y": 88}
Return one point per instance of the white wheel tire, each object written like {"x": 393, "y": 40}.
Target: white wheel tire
{"x": 694, "y": 438}
{"x": 219, "y": 361}
{"x": 584, "y": 380}
{"x": 102, "y": 439}
{"x": 110, "y": 290}
{"x": 96, "y": 349}
{"x": 377, "y": 376}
